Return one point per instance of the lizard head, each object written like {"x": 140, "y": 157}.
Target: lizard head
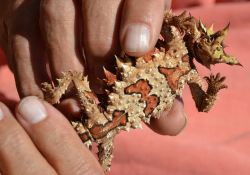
{"x": 208, "y": 49}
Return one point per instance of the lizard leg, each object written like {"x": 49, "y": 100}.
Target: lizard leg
{"x": 53, "y": 94}
{"x": 204, "y": 100}
{"x": 83, "y": 133}
{"x": 98, "y": 124}
{"x": 105, "y": 153}
{"x": 88, "y": 101}
{"x": 97, "y": 121}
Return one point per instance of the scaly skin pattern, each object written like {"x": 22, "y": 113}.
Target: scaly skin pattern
{"x": 144, "y": 87}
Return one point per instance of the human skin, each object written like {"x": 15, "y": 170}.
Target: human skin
{"x": 43, "y": 38}
{"x": 38, "y": 140}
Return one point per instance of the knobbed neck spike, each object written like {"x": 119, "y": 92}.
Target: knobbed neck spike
{"x": 220, "y": 35}
{"x": 210, "y": 30}
{"x": 110, "y": 77}
{"x": 119, "y": 63}
{"x": 202, "y": 27}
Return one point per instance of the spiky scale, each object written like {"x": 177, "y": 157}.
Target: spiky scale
{"x": 110, "y": 77}
{"x": 148, "y": 85}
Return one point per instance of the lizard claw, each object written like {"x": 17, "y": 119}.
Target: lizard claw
{"x": 215, "y": 83}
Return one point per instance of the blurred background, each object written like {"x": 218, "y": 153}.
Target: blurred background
{"x": 178, "y": 4}
{"x": 217, "y": 143}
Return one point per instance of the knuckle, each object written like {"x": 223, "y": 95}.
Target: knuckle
{"x": 101, "y": 46}
{"x": 48, "y": 9}
{"x": 56, "y": 10}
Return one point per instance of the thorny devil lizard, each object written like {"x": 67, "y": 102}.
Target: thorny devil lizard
{"x": 144, "y": 87}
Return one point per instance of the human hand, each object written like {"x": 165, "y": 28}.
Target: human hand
{"x": 101, "y": 27}
{"x": 41, "y": 141}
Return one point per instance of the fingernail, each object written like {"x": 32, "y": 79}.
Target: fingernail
{"x": 32, "y": 110}
{"x": 1, "y": 114}
{"x": 137, "y": 38}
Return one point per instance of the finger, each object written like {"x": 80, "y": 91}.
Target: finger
{"x": 70, "y": 108}
{"x": 59, "y": 24}
{"x": 170, "y": 122}
{"x": 25, "y": 48}
{"x": 140, "y": 26}
{"x": 55, "y": 138}
{"x": 18, "y": 154}
{"x": 101, "y": 40}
